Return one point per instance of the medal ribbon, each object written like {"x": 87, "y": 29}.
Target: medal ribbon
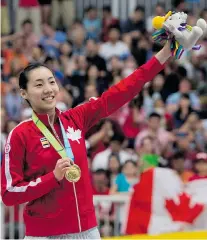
{"x": 63, "y": 152}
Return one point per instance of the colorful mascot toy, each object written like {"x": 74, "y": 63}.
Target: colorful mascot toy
{"x": 174, "y": 26}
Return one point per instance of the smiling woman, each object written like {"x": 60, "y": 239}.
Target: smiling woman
{"x": 40, "y": 93}
{"x": 44, "y": 152}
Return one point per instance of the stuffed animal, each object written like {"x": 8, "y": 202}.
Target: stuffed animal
{"x": 184, "y": 37}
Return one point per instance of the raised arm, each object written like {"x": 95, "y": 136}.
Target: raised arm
{"x": 88, "y": 114}
{"x": 14, "y": 188}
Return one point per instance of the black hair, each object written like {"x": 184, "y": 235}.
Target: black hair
{"x": 154, "y": 114}
{"x": 176, "y": 3}
{"x": 139, "y": 8}
{"x": 107, "y": 8}
{"x": 89, "y": 8}
{"x": 118, "y": 138}
{"x": 181, "y": 71}
{"x": 116, "y": 156}
{"x": 185, "y": 95}
{"x": 202, "y": 12}
{"x": 177, "y": 155}
{"x": 23, "y": 77}
{"x": 114, "y": 26}
{"x": 100, "y": 171}
{"x": 49, "y": 59}
{"x": 40, "y": 47}
{"x": 26, "y": 21}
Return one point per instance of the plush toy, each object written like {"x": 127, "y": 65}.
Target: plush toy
{"x": 184, "y": 37}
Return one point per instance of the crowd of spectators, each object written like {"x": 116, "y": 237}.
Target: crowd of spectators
{"x": 166, "y": 121}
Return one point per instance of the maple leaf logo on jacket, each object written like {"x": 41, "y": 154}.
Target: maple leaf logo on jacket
{"x": 184, "y": 211}
{"x": 74, "y": 135}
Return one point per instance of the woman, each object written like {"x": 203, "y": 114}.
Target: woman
{"x": 34, "y": 172}
{"x": 114, "y": 168}
{"x": 183, "y": 112}
{"x": 125, "y": 180}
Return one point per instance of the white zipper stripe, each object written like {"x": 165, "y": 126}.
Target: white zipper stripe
{"x": 76, "y": 201}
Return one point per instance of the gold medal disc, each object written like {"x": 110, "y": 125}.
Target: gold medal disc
{"x": 73, "y": 174}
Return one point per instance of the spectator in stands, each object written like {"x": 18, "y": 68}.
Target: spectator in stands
{"x": 183, "y": 112}
{"x": 115, "y": 66}
{"x": 14, "y": 58}
{"x": 141, "y": 48}
{"x": 53, "y": 64}
{"x": 114, "y": 47}
{"x": 194, "y": 125}
{"x": 101, "y": 159}
{"x": 135, "y": 22}
{"x": 125, "y": 180}
{"x": 183, "y": 142}
{"x": 158, "y": 11}
{"x": 108, "y": 21}
{"x": 133, "y": 120}
{"x": 94, "y": 78}
{"x": 100, "y": 187}
{"x": 93, "y": 56}
{"x": 179, "y": 5}
{"x": 114, "y": 168}
{"x": 66, "y": 52}
{"x": 45, "y": 10}
{"x": 203, "y": 14}
{"x": 162, "y": 138}
{"x": 185, "y": 87}
{"x": 152, "y": 93}
{"x": 30, "y": 38}
{"x": 10, "y": 124}
{"x": 78, "y": 37}
{"x": 38, "y": 54}
{"x": 100, "y": 182}
{"x": 200, "y": 166}
{"x": 177, "y": 163}
{"x": 51, "y": 40}
{"x": 147, "y": 146}
{"x": 98, "y": 137}
{"x": 13, "y": 102}
{"x": 92, "y": 23}
{"x": 28, "y": 9}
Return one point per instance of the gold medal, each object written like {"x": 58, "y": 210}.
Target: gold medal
{"x": 73, "y": 174}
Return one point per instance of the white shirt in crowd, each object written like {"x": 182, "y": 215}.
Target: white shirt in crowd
{"x": 101, "y": 159}
{"x": 108, "y": 50}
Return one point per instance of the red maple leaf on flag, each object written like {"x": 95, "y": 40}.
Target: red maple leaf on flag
{"x": 182, "y": 211}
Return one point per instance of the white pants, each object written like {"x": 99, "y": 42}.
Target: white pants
{"x": 64, "y": 9}
{"x": 92, "y": 233}
{"x": 32, "y": 13}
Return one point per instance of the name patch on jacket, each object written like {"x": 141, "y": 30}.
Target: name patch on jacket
{"x": 45, "y": 142}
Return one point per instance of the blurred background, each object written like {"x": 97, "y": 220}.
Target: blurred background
{"x": 91, "y": 45}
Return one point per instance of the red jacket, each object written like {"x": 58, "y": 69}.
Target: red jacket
{"x": 27, "y": 172}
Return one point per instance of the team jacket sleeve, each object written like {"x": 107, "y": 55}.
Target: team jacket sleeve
{"x": 14, "y": 188}
{"x": 86, "y": 115}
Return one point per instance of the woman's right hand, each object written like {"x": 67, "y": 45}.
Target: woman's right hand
{"x": 61, "y": 167}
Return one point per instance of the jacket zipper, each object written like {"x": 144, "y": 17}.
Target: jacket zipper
{"x": 74, "y": 189}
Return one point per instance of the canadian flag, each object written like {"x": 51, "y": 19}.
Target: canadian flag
{"x": 197, "y": 189}
{"x": 160, "y": 204}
